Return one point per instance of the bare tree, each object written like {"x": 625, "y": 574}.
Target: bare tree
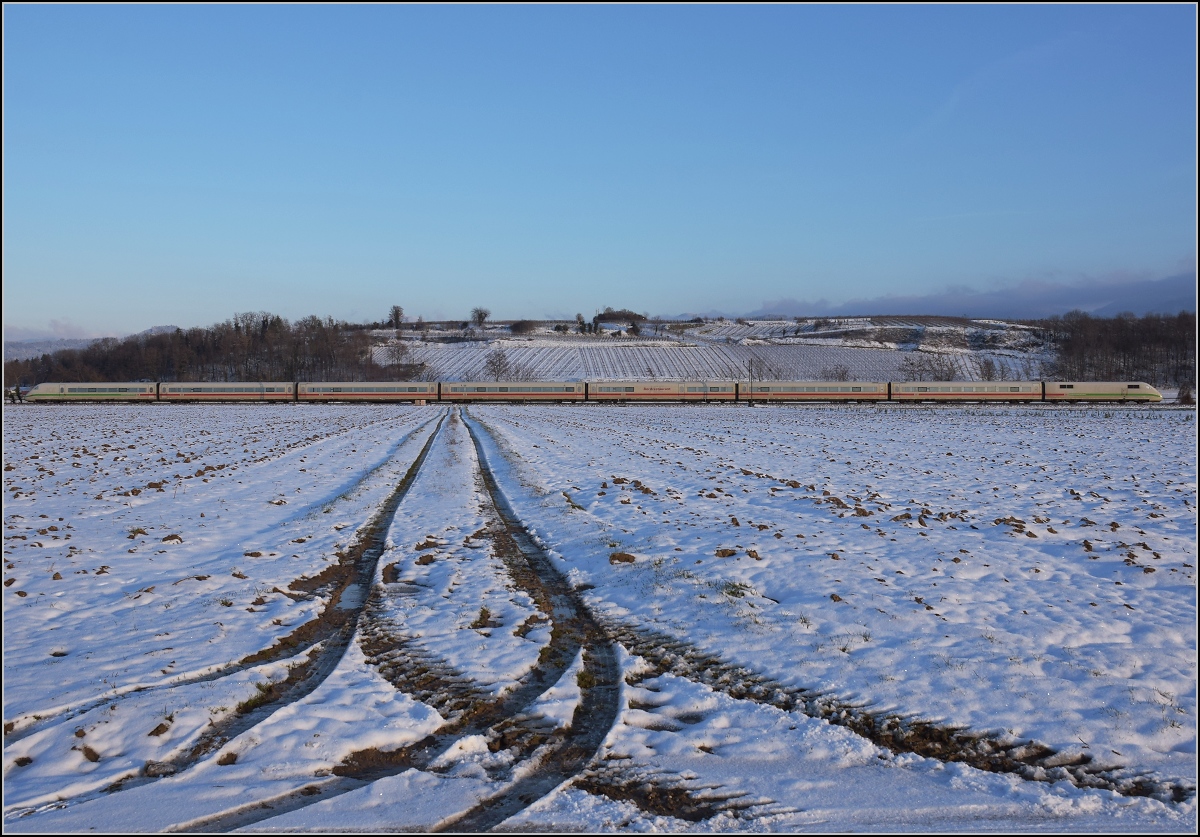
{"x": 987, "y": 369}
{"x": 759, "y": 369}
{"x": 479, "y": 316}
{"x": 396, "y": 317}
{"x": 927, "y": 367}
{"x": 496, "y": 366}
{"x": 837, "y": 372}
{"x": 522, "y": 372}
{"x": 396, "y": 353}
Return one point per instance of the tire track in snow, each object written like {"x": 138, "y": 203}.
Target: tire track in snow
{"x": 565, "y": 757}
{"x": 557, "y": 758}
{"x": 1031, "y": 760}
{"x": 334, "y": 628}
{"x": 292, "y": 645}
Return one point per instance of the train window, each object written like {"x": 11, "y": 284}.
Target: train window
{"x": 1014, "y": 389}
{"x": 1066, "y": 386}
{"x": 123, "y": 389}
{"x": 629, "y": 389}
{"x": 1135, "y": 386}
{"x": 856, "y": 389}
{"x": 922, "y": 389}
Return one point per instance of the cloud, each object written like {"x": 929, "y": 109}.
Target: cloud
{"x": 1030, "y": 299}
{"x": 53, "y": 330}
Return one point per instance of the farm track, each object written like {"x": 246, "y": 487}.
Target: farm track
{"x": 1028, "y": 759}
{"x": 297, "y": 642}
{"x": 558, "y": 755}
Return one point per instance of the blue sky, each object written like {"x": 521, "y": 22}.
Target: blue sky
{"x": 177, "y": 164}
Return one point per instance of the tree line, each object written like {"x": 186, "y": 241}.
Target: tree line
{"x": 1158, "y": 349}
{"x": 259, "y": 346}
{"x": 256, "y": 346}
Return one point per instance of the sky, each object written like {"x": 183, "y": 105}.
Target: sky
{"x": 178, "y": 164}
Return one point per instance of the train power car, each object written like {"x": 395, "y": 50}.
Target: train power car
{"x": 125, "y": 391}
{"x": 1100, "y": 391}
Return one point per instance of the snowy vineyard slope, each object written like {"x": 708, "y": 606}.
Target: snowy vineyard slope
{"x": 781, "y": 350}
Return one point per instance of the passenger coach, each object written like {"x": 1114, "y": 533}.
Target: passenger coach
{"x": 958, "y": 391}
{"x": 261, "y": 391}
{"x": 662, "y": 391}
{"x": 366, "y": 391}
{"x": 814, "y": 391}
{"x": 512, "y": 391}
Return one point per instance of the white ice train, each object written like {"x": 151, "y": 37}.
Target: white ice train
{"x": 600, "y": 391}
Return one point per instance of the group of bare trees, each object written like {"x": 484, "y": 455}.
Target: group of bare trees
{"x": 1157, "y": 349}
{"x": 247, "y": 347}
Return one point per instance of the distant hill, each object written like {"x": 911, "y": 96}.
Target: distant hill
{"x": 26, "y": 349}
{"x": 1027, "y": 301}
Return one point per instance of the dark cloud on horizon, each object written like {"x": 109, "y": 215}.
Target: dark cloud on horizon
{"x": 1028, "y": 300}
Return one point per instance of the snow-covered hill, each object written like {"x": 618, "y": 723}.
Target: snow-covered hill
{"x": 859, "y": 348}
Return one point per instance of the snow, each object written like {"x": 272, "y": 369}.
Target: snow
{"x": 1025, "y": 572}
{"x": 784, "y": 349}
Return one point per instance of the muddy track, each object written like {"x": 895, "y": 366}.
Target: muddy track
{"x": 329, "y": 636}
{"x": 559, "y": 754}
{"x": 563, "y": 758}
{"x": 1027, "y": 759}
{"x": 294, "y": 644}
{"x": 671, "y": 795}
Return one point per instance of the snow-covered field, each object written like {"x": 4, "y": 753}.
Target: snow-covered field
{"x": 772, "y": 575}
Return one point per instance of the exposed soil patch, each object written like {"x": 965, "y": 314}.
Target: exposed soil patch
{"x": 667, "y": 795}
